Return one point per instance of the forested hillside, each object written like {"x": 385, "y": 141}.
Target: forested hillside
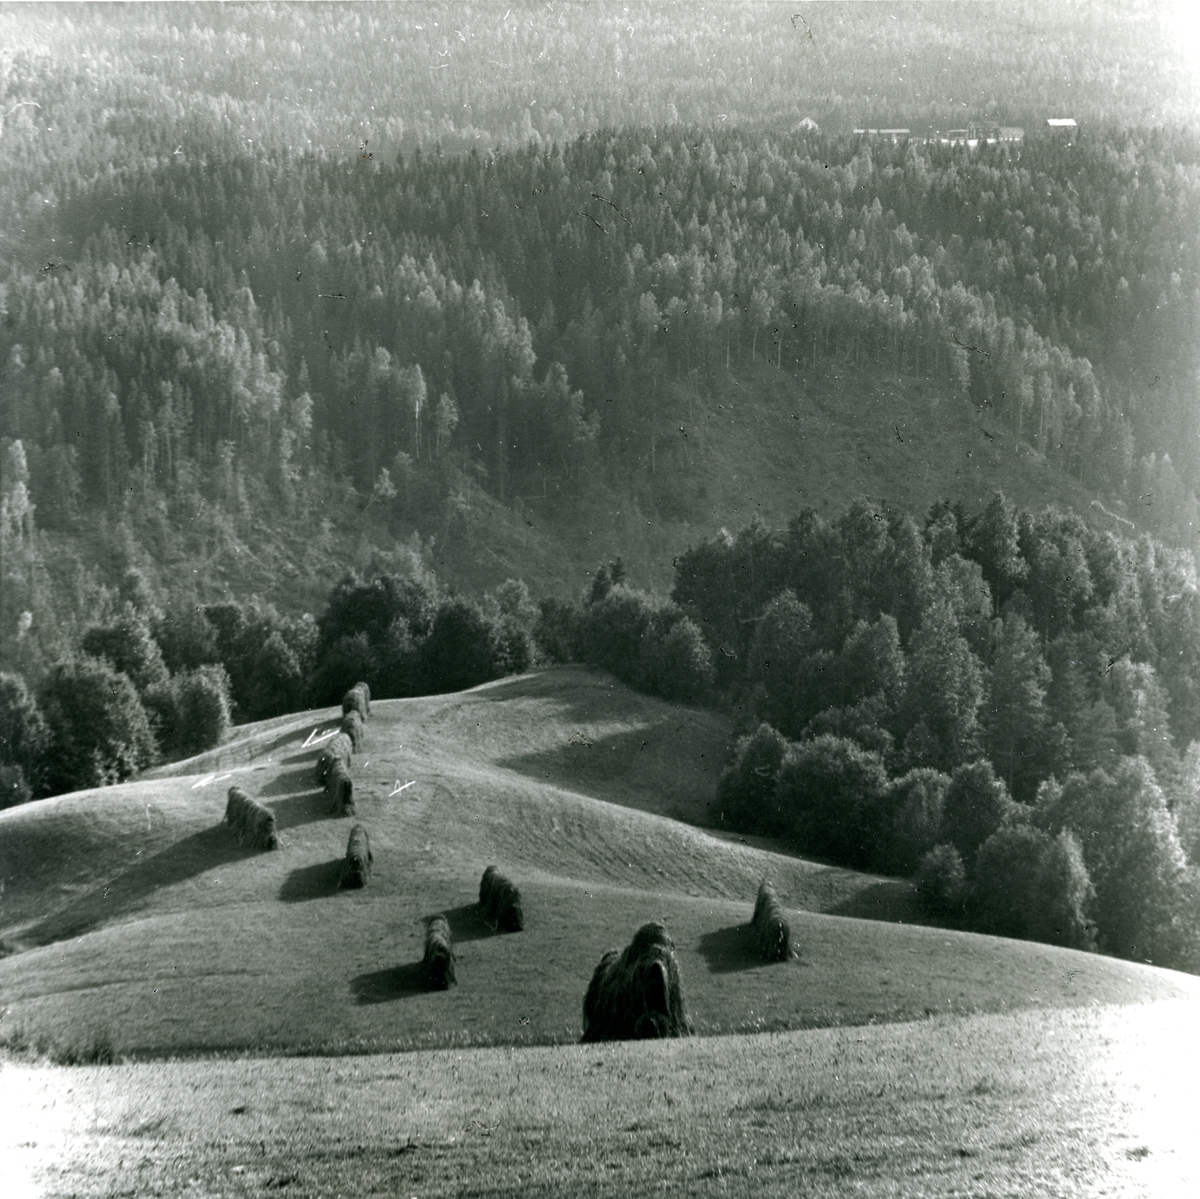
{"x": 285, "y": 290}
{"x": 240, "y": 314}
{"x": 1005, "y": 703}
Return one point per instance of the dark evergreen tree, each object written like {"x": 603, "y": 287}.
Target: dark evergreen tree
{"x": 943, "y": 693}
{"x": 746, "y": 796}
{"x": 128, "y": 647}
{"x": 977, "y": 805}
{"x": 1013, "y": 716}
{"x": 24, "y": 736}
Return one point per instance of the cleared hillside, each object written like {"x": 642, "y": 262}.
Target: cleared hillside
{"x": 139, "y": 921}
{"x": 758, "y": 443}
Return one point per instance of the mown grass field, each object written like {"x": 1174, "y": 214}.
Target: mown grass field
{"x": 1072, "y": 1102}
{"x": 142, "y": 924}
{"x": 254, "y": 1009}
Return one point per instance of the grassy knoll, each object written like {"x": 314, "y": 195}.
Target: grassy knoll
{"x": 1090, "y": 1101}
{"x": 141, "y": 925}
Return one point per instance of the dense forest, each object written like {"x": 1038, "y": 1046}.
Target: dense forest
{"x": 1005, "y": 702}
{"x": 319, "y": 274}
{"x": 245, "y": 286}
{"x": 260, "y": 332}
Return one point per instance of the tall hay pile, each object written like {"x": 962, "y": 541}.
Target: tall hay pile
{"x": 352, "y": 725}
{"x": 438, "y": 962}
{"x": 366, "y": 694}
{"x": 339, "y": 789}
{"x": 251, "y": 820}
{"x": 355, "y": 700}
{"x": 356, "y": 868}
{"x": 500, "y": 901}
{"x": 340, "y": 749}
{"x": 771, "y": 927}
{"x": 637, "y": 993}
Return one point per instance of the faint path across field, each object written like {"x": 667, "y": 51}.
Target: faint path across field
{"x": 1091, "y": 1101}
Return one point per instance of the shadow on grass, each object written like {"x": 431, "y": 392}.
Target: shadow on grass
{"x": 308, "y": 753}
{"x": 621, "y": 767}
{"x": 467, "y": 923}
{"x": 729, "y": 949}
{"x": 302, "y": 809}
{"x": 311, "y": 882}
{"x": 205, "y": 850}
{"x": 291, "y": 782}
{"x": 382, "y": 986}
{"x": 893, "y": 901}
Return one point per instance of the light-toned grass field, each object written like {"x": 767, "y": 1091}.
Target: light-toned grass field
{"x": 1084, "y": 1102}
{"x": 143, "y": 926}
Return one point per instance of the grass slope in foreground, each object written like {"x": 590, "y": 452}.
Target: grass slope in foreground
{"x": 141, "y": 924}
{"x": 1092, "y": 1101}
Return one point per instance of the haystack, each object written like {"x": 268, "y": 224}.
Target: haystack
{"x": 636, "y": 993}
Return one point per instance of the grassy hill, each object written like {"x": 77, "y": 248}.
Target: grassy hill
{"x": 140, "y": 924}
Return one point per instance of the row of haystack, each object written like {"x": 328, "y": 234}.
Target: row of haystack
{"x": 254, "y": 823}
{"x": 333, "y": 762}
{"x": 333, "y": 771}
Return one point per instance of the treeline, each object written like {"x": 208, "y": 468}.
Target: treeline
{"x": 1004, "y": 704}
{"x": 163, "y": 677}
{"x": 246, "y": 330}
{"x": 115, "y": 84}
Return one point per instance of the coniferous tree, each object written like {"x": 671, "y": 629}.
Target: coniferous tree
{"x": 1013, "y": 716}
{"x": 943, "y": 693}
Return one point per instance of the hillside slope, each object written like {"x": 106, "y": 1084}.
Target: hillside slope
{"x": 758, "y": 443}
{"x": 139, "y": 921}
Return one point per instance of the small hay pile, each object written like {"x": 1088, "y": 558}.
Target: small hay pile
{"x": 771, "y": 927}
{"x": 356, "y": 868}
{"x": 352, "y": 725}
{"x": 356, "y": 700}
{"x": 500, "y": 901}
{"x": 251, "y": 820}
{"x": 339, "y": 789}
{"x": 438, "y": 963}
{"x": 339, "y": 749}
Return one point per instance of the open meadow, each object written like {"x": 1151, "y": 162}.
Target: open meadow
{"x": 1072, "y": 1102}
{"x": 253, "y": 1010}
{"x": 145, "y": 927}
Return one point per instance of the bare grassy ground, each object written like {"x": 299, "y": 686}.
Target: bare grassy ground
{"x": 1091, "y": 1101}
{"x": 141, "y": 930}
